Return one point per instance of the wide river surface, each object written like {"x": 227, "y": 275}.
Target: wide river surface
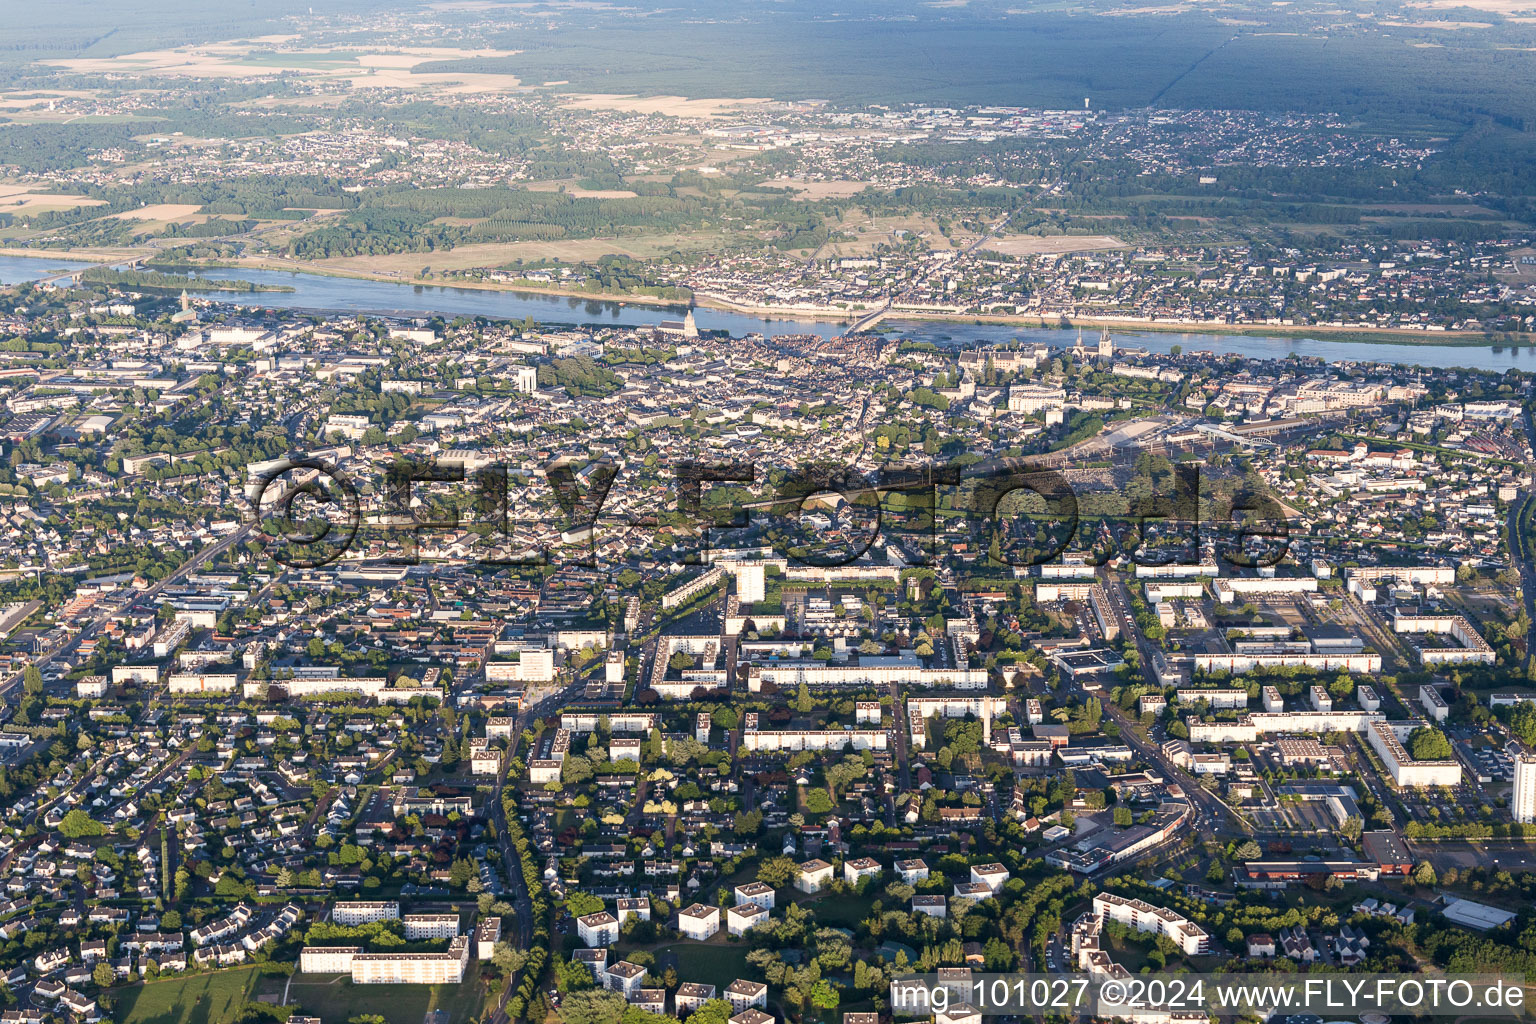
{"x": 317, "y": 293}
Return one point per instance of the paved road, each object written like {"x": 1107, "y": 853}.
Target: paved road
{"x": 1520, "y": 550}
{"x": 1212, "y": 816}
{"x": 512, "y": 866}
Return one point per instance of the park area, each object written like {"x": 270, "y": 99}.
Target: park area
{"x": 335, "y": 998}
{"x": 217, "y": 998}
{"x": 198, "y": 999}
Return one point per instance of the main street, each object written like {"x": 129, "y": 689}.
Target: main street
{"x": 512, "y": 865}
{"x": 1213, "y": 817}
{"x": 1520, "y": 548}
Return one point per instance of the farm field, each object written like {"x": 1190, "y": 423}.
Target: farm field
{"x": 821, "y": 189}
{"x": 493, "y": 254}
{"x": 1034, "y": 245}
{"x": 391, "y": 69}
{"x": 668, "y": 106}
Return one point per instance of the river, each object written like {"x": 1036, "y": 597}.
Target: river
{"x": 315, "y": 292}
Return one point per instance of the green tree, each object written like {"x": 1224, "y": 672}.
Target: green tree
{"x": 77, "y": 825}
{"x": 823, "y": 995}
{"x": 592, "y": 1007}
{"x": 817, "y": 801}
{"x": 776, "y": 872}
{"x": 714, "y": 1011}
{"x": 1429, "y": 744}
{"x": 580, "y": 904}
{"x": 508, "y": 959}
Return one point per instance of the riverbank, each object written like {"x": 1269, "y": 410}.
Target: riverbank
{"x": 145, "y": 280}
{"x": 531, "y": 288}
{"x": 1380, "y": 336}
{"x": 779, "y": 314}
{"x": 71, "y": 255}
{"x": 1323, "y": 333}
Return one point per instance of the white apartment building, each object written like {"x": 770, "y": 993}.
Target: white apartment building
{"x": 533, "y": 665}
{"x": 543, "y": 771}
{"x": 1033, "y": 398}
{"x": 933, "y": 906}
{"x": 1431, "y": 575}
{"x": 1248, "y": 728}
{"x": 755, "y": 892}
{"x": 690, "y": 996}
{"x": 599, "y": 929}
{"x": 863, "y": 867}
{"x": 624, "y": 978}
{"x": 431, "y": 926}
{"x": 750, "y": 583}
{"x": 1386, "y": 738}
{"x": 743, "y": 917}
{"x": 990, "y": 875}
{"x": 1434, "y": 704}
{"x": 743, "y": 994}
{"x": 618, "y": 722}
{"x": 868, "y": 673}
{"x": 185, "y": 683}
{"x": 640, "y": 908}
{"x": 327, "y": 959}
{"x": 955, "y": 705}
{"x": 812, "y": 875}
{"x": 1229, "y": 590}
{"x": 1522, "y": 799}
{"x": 692, "y": 588}
{"x": 1232, "y": 664}
{"x": 1157, "y": 593}
{"x": 487, "y": 934}
{"x": 353, "y": 914}
{"x": 796, "y": 740}
{"x": 1473, "y": 648}
{"x": 1217, "y": 699}
{"x": 413, "y": 968}
{"x": 1144, "y": 917}
{"x": 698, "y": 922}
{"x": 624, "y": 748}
